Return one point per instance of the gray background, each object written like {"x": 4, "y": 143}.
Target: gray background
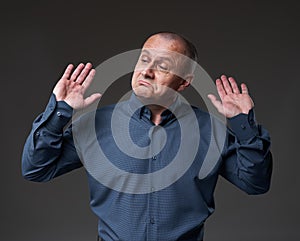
{"x": 255, "y": 41}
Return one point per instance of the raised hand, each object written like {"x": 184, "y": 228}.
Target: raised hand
{"x": 233, "y": 102}
{"x": 73, "y": 84}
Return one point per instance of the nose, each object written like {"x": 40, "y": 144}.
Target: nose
{"x": 148, "y": 72}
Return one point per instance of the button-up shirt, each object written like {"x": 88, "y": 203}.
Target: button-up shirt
{"x": 131, "y": 201}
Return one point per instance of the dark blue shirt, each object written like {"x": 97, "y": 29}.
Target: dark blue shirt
{"x": 146, "y": 196}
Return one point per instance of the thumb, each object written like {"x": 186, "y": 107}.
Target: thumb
{"x": 216, "y": 102}
{"x": 91, "y": 99}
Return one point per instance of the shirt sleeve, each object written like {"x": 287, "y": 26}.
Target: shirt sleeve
{"x": 247, "y": 159}
{"x": 49, "y": 150}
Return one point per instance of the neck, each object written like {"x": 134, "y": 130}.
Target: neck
{"x": 157, "y": 106}
{"x": 156, "y": 111}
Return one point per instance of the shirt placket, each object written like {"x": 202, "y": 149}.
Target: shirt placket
{"x": 153, "y": 194}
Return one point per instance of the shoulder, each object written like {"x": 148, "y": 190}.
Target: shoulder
{"x": 206, "y": 118}
{"x": 200, "y": 112}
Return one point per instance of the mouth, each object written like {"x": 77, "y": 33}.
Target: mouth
{"x": 143, "y": 82}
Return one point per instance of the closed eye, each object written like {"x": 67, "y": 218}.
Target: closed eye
{"x": 163, "y": 67}
{"x": 145, "y": 59}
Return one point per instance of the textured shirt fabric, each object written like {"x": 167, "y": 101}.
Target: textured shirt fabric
{"x": 175, "y": 212}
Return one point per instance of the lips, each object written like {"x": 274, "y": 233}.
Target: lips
{"x": 143, "y": 82}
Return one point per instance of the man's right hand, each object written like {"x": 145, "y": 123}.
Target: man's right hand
{"x": 73, "y": 84}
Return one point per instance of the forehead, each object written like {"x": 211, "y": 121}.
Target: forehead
{"x": 160, "y": 44}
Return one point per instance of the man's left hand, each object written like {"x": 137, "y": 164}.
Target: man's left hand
{"x": 233, "y": 101}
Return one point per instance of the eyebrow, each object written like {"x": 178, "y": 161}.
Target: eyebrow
{"x": 145, "y": 51}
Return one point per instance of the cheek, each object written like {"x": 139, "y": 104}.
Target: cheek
{"x": 134, "y": 75}
{"x": 170, "y": 83}
{"x": 134, "y": 78}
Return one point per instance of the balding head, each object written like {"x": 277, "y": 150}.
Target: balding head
{"x": 189, "y": 48}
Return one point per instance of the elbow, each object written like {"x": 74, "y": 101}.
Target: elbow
{"x": 33, "y": 177}
{"x": 259, "y": 183}
{"x": 258, "y": 186}
{"x": 257, "y": 190}
{"x": 34, "y": 174}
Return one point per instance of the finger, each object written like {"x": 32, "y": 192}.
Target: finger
{"x": 77, "y": 71}
{"x": 88, "y": 80}
{"x": 81, "y": 78}
{"x": 216, "y": 102}
{"x": 67, "y": 72}
{"x": 226, "y": 84}
{"x": 244, "y": 88}
{"x": 234, "y": 86}
{"x": 91, "y": 99}
{"x": 220, "y": 89}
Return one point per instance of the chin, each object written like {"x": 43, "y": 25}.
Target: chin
{"x": 142, "y": 92}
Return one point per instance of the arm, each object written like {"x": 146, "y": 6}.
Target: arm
{"x": 49, "y": 150}
{"x": 247, "y": 160}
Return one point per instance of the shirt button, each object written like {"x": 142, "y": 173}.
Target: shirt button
{"x": 154, "y": 158}
{"x": 152, "y": 221}
{"x": 58, "y": 113}
{"x": 152, "y": 189}
{"x": 243, "y": 127}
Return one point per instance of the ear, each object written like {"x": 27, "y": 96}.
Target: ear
{"x": 186, "y": 82}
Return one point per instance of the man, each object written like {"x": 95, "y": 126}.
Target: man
{"x": 147, "y": 196}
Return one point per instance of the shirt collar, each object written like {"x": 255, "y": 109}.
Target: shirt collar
{"x": 139, "y": 109}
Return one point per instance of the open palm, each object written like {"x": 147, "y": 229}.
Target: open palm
{"x": 232, "y": 101}
{"x": 72, "y": 86}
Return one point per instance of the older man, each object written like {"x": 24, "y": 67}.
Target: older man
{"x": 161, "y": 200}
